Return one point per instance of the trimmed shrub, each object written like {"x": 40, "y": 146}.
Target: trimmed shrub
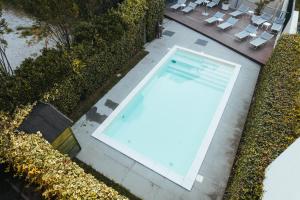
{"x": 90, "y": 8}
{"x": 33, "y": 78}
{"x": 45, "y": 70}
{"x": 99, "y": 60}
{"x": 154, "y": 16}
{"x": 31, "y": 156}
{"x": 273, "y": 121}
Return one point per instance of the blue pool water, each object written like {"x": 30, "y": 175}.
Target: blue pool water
{"x": 167, "y": 120}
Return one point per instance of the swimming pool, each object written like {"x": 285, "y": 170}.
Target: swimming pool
{"x": 168, "y": 120}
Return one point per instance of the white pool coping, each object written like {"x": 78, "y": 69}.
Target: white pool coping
{"x": 184, "y": 181}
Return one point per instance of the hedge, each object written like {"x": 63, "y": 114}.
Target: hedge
{"x": 154, "y": 16}
{"x": 33, "y": 78}
{"x": 106, "y": 59}
{"x": 273, "y": 122}
{"x": 101, "y": 46}
{"x": 32, "y": 157}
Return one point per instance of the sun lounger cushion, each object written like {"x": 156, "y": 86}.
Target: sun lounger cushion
{"x": 215, "y": 18}
{"x": 213, "y": 3}
{"x": 258, "y": 20}
{"x": 190, "y": 7}
{"x": 276, "y": 27}
{"x": 229, "y": 23}
{"x": 258, "y": 42}
{"x": 246, "y": 32}
{"x": 241, "y": 10}
{"x": 262, "y": 39}
{"x": 178, "y": 4}
{"x": 277, "y": 24}
{"x": 241, "y": 35}
{"x": 199, "y": 2}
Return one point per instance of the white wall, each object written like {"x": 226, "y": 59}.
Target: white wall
{"x": 291, "y": 27}
{"x": 282, "y": 180}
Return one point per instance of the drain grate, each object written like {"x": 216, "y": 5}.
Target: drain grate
{"x": 201, "y": 42}
{"x": 168, "y": 33}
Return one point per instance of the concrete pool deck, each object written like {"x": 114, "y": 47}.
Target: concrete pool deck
{"x": 216, "y": 167}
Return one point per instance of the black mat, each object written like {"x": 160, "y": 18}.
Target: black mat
{"x": 168, "y": 33}
{"x": 201, "y": 42}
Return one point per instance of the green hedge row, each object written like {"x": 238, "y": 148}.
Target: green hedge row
{"x": 273, "y": 122}
{"x": 33, "y": 78}
{"x": 155, "y": 12}
{"x": 103, "y": 58}
{"x": 30, "y": 156}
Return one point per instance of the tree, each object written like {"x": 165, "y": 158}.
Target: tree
{"x": 55, "y": 17}
{"x": 5, "y": 67}
{"x": 261, "y": 5}
{"x": 91, "y": 8}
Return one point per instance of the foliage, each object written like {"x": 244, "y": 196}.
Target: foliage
{"x": 260, "y": 6}
{"x": 86, "y": 103}
{"x": 33, "y": 78}
{"x": 55, "y": 17}
{"x": 31, "y": 156}
{"x": 91, "y": 8}
{"x": 273, "y": 121}
{"x": 66, "y": 94}
{"x": 100, "y": 59}
{"x": 108, "y": 27}
{"x": 36, "y": 32}
{"x": 107, "y": 181}
{"x": 155, "y": 12}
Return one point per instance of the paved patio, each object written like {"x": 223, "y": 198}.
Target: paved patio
{"x": 196, "y": 21}
{"x": 215, "y": 170}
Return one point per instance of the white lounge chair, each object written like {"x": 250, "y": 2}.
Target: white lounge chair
{"x": 262, "y": 39}
{"x": 215, "y": 17}
{"x": 228, "y": 24}
{"x": 250, "y": 29}
{"x": 213, "y": 3}
{"x": 259, "y": 20}
{"x": 179, "y": 4}
{"x": 192, "y": 6}
{"x": 199, "y": 2}
{"x": 240, "y": 11}
{"x": 277, "y": 24}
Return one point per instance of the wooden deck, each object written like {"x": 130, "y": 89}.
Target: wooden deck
{"x": 195, "y": 21}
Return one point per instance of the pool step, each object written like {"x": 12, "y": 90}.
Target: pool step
{"x": 196, "y": 60}
{"x": 201, "y": 82}
{"x": 200, "y": 70}
{"x": 219, "y": 84}
{"x": 199, "y": 58}
{"x": 221, "y": 71}
{"x": 208, "y": 75}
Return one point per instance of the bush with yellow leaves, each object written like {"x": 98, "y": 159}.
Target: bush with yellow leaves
{"x": 31, "y": 156}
